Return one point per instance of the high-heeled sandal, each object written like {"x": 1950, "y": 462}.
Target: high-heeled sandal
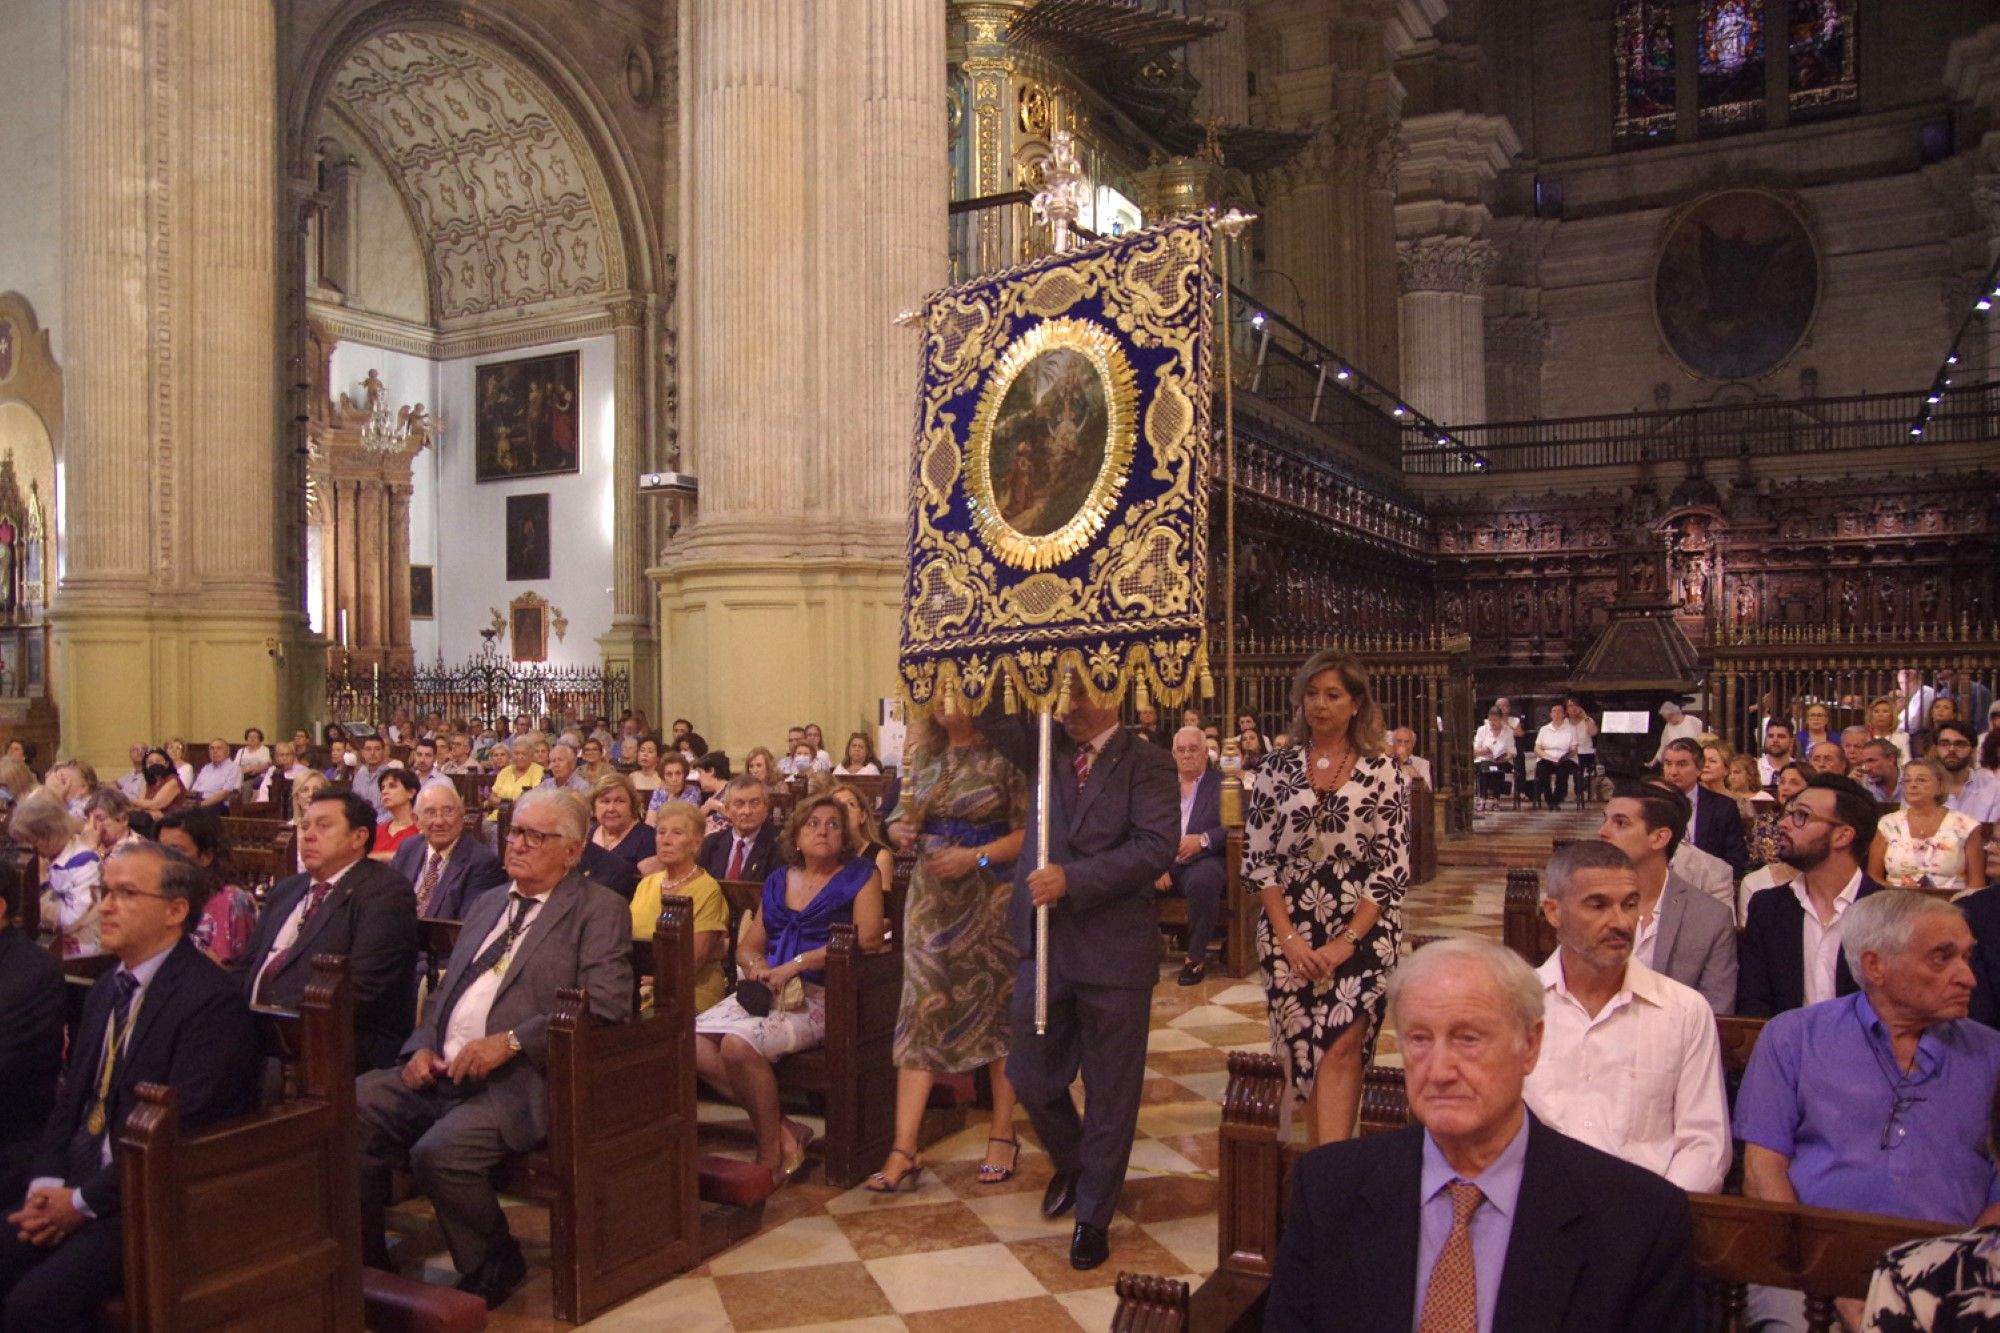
{"x": 902, "y": 1184}
{"x": 990, "y": 1174}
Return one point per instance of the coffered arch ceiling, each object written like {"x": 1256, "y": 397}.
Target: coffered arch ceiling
{"x": 500, "y": 182}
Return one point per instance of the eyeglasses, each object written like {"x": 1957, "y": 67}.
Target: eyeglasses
{"x": 1943, "y": 744}
{"x": 1799, "y": 816}
{"x": 123, "y": 897}
{"x": 1896, "y": 1131}
{"x": 533, "y": 838}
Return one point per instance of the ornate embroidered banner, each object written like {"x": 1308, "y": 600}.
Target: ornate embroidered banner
{"x": 1059, "y": 509}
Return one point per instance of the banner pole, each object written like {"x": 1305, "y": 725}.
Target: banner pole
{"x": 1229, "y": 705}
{"x": 1044, "y": 748}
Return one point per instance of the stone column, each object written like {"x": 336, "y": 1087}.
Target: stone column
{"x": 398, "y": 573}
{"x": 1443, "y": 281}
{"x": 817, "y": 141}
{"x": 1221, "y": 65}
{"x": 1515, "y": 346}
{"x": 1319, "y": 235}
{"x": 630, "y": 645}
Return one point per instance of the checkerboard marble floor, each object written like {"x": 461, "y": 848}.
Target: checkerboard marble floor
{"x": 958, "y": 1255}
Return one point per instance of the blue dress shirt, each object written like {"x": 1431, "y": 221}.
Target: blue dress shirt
{"x": 1491, "y": 1225}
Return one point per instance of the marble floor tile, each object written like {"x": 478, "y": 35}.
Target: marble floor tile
{"x": 812, "y": 1296}
{"x": 1132, "y": 1250}
{"x": 947, "y": 1279}
{"x": 918, "y": 1230}
{"x": 803, "y": 1241}
{"x": 1191, "y": 1240}
{"x": 1036, "y": 1314}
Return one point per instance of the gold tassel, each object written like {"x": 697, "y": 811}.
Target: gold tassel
{"x": 1207, "y": 684}
{"x": 1141, "y": 699}
{"x": 1009, "y": 699}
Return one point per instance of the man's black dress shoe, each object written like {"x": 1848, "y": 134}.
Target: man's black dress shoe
{"x": 1060, "y": 1196}
{"x": 499, "y": 1277}
{"x": 1090, "y": 1246}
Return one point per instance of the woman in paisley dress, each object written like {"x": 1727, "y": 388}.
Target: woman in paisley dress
{"x": 1327, "y": 847}
{"x": 963, "y": 810}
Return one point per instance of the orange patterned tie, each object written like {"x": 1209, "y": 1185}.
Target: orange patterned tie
{"x": 1451, "y": 1303}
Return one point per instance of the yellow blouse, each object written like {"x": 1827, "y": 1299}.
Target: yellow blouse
{"x": 509, "y": 785}
{"x": 711, "y": 912}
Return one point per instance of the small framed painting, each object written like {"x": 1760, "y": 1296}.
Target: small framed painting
{"x": 527, "y": 537}
{"x": 528, "y": 625}
{"x": 423, "y": 592}
{"x": 529, "y": 421}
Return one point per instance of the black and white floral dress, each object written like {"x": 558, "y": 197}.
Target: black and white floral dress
{"x": 1329, "y": 851}
{"x": 1947, "y": 1285}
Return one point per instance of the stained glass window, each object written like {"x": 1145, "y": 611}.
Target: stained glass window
{"x": 1644, "y": 36}
{"x": 1821, "y": 54}
{"x": 1730, "y": 64}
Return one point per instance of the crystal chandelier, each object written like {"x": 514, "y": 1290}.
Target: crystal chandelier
{"x": 386, "y": 432}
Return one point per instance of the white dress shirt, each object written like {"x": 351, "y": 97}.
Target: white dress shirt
{"x": 1495, "y": 747}
{"x": 468, "y": 1016}
{"x": 1642, "y": 1080}
{"x": 1555, "y": 742}
{"x": 288, "y": 934}
{"x": 1822, "y": 943}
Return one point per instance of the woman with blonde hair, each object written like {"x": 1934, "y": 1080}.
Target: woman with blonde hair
{"x": 75, "y": 870}
{"x": 16, "y": 778}
{"x": 1927, "y": 845}
{"x": 677, "y": 833}
{"x": 1327, "y": 852}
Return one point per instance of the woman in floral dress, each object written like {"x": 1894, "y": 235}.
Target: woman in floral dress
{"x": 1327, "y": 847}
{"x": 963, "y": 811}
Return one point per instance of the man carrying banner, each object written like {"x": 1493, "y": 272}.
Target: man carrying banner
{"x": 1114, "y": 803}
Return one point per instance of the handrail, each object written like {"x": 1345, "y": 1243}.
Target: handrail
{"x": 1794, "y": 426}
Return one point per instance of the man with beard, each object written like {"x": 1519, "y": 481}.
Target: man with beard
{"x": 1682, "y": 932}
{"x": 1969, "y": 790}
{"x": 1789, "y": 952}
{"x": 1777, "y": 752}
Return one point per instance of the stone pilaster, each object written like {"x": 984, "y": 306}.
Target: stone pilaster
{"x": 1221, "y": 65}
{"x": 171, "y": 615}
{"x": 398, "y": 551}
{"x": 780, "y": 600}
{"x": 1515, "y": 347}
{"x": 630, "y": 645}
{"x": 1443, "y": 283}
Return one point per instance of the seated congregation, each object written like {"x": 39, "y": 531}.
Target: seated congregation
{"x": 477, "y": 967}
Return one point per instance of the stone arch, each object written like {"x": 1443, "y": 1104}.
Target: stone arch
{"x": 506, "y": 162}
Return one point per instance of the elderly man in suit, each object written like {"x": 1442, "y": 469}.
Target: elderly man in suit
{"x": 344, "y": 903}
{"x": 1714, "y": 823}
{"x": 1113, "y": 829}
{"x": 447, "y": 869}
{"x": 748, "y": 848}
{"x": 1197, "y": 873}
{"x": 1789, "y": 954}
{"x": 1481, "y": 1217}
{"x": 473, "y": 1085}
{"x": 1681, "y": 932}
{"x": 166, "y": 1015}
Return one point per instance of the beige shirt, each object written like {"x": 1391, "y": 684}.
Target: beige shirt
{"x": 1642, "y": 1080}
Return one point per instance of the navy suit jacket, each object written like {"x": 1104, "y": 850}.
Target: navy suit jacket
{"x": 31, "y": 1046}
{"x": 1205, "y": 822}
{"x": 371, "y": 917}
{"x": 193, "y": 1033}
{"x": 1597, "y": 1243}
{"x": 1771, "y": 953}
{"x": 763, "y": 859}
{"x": 1982, "y": 912}
{"x": 471, "y": 871}
{"x": 1718, "y": 827}
{"x": 1113, "y": 840}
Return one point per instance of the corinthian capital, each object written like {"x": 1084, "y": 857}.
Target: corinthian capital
{"x": 1445, "y": 264}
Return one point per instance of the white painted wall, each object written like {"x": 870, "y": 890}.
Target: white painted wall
{"x": 31, "y": 101}
{"x": 471, "y": 516}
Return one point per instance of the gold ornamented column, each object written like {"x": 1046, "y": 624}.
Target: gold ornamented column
{"x": 814, "y": 131}
{"x": 988, "y": 66}
{"x": 170, "y": 616}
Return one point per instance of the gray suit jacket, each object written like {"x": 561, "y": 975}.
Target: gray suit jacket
{"x": 1113, "y": 840}
{"x": 1696, "y": 943}
{"x": 581, "y": 937}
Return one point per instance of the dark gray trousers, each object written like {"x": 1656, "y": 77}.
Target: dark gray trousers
{"x": 1100, "y": 1031}
{"x": 1202, "y": 883}
{"x": 452, "y": 1143}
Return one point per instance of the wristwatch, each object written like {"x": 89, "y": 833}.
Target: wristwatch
{"x": 513, "y": 1042}
{"x": 984, "y": 862}
{"x": 1347, "y": 933}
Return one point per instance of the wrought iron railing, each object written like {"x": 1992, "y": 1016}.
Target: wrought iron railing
{"x": 1967, "y": 414}
{"x": 486, "y": 687}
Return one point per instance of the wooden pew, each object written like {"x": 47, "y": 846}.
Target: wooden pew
{"x": 1423, "y": 833}
{"x": 852, "y": 1074}
{"x": 259, "y": 849}
{"x": 1240, "y": 910}
{"x": 1822, "y": 1252}
{"x": 1523, "y": 928}
{"x": 254, "y": 1222}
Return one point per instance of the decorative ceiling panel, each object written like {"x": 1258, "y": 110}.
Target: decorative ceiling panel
{"x": 496, "y": 172}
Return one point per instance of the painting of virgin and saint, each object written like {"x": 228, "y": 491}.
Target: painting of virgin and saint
{"x": 1049, "y": 442}
{"x": 1737, "y": 285}
{"x": 529, "y": 419}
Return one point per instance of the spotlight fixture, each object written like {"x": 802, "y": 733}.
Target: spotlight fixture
{"x": 1399, "y": 410}
{"x": 1343, "y": 373}
{"x": 1983, "y": 304}
{"x": 1257, "y": 320}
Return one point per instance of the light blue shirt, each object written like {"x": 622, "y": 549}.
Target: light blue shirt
{"x": 1491, "y": 1225}
{"x": 1979, "y": 798}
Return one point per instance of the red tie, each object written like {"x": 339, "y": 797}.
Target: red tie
{"x": 736, "y": 861}
{"x": 283, "y": 960}
{"x": 1082, "y": 765}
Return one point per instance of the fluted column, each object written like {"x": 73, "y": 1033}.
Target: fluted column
{"x": 1443, "y": 281}
{"x": 399, "y": 567}
{"x": 106, "y": 520}
{"x": 1325, "y": 230}
{"x": 228, "y": 188}
{"x": 814, "y": 211}
{"x": 628, "y": 582}
{"x": 1221, "y": 65}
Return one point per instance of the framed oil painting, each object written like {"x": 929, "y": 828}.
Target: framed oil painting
{"x": 528, "y": 628}
{"x": 1737, "y": 285}
{"x": 527, "y": 537}
{"x": 529, "y": 421}
{"x": 423, "y": 592}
